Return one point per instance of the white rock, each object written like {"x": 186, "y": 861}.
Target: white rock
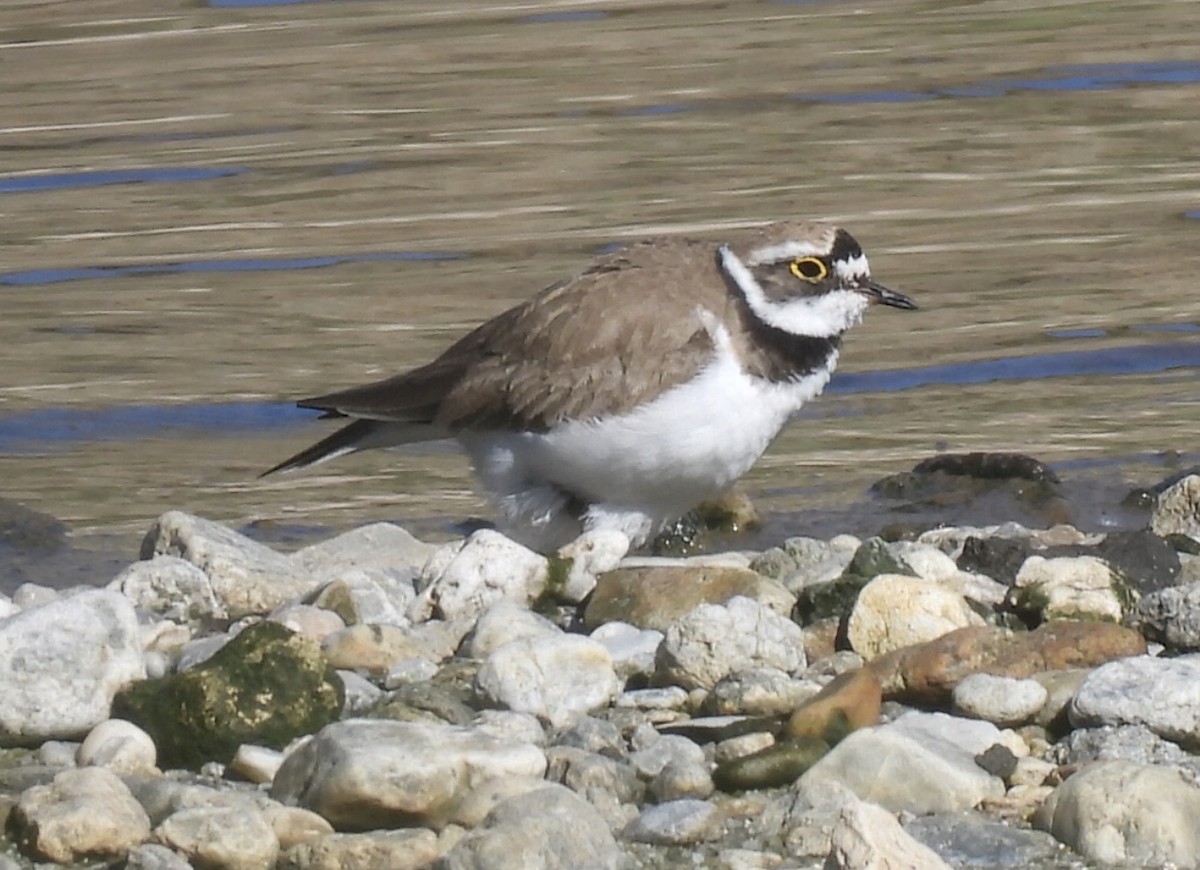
{"x": 714, "y": 640}
{"x": 868, "y": 837}
{"x": 930, "y": 563}
{"x": 307, "y": 620}
{"x": 149, "y": 856}
{"x": 759, "y": 692}
{"x": 926, "y": 560}
{"x": 742, "y": 745}
{"x": 1071, "y": 587}
{"x": 1177, "y": 509}
{"x": 165, "y": 636}
{"x": 906, "y": 767}
{"x": 379, "y": 551}
{"x": 1172, "y": 615}
{"x": 407, "y": 849}
{"x": 680, "y": 779}
{"x": 971, "y": 736}
{"x": 464, "y": 580}
{"x": 64, "y": 662}
{"x": 590, "y": 555}
{"x": 361, "y": 693}
{"x": 199, "y": 650}
{"x": 472, "y": 810}
{"x": 373, "y": 773}
{"x": 1119, "y": 812}
{"x": 256, "y": 763}
{"x": 246, "y": 576}
{"x": 58, "y": 753}
{"x": 1032, "y": 772}
{"x": 950, "y": 539}
{"x": 230, "y": 838}
{"x": 549, "y": 827}
{"x": 86, "y": 813}
{"x": 676, "y": 823}
{"x": 405, "y": 671}
{"x": 650, "y": 760}
{"x": 376, "y": 597}
{"x": 556, "y": 677}
{"x": 7, "y": 607}
{"x": 120, "y": 746}
{"x": 1000, "y": 700}
{"x": 510, "y": 726}
{"x": 666, "y": 698}
{"x": 1162, "y": 694}
{"x": 632, "y": 648}
{"x": 294, "y": 825}
{"x": 895, "y": 610}
{"x": 170, "y": 587}
{"x": 818, "y": 561}
{"x": 506, "y": 621}
{"x": 33, "y": 595}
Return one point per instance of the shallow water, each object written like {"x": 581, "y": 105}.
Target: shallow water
{"x": 211, "y": 209}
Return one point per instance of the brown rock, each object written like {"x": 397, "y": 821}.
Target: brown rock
{"x": 927, "y": 673}
{"x": 654, "y": 597}
{"x": 821, "y": 638}
{"x": 848, "y": 702}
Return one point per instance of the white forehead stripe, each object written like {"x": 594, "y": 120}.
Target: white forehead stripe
{"x": 786, "y": 251}
{"x": 853, "y": 269}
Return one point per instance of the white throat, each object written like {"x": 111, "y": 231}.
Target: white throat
{"x": 824, "y": 316}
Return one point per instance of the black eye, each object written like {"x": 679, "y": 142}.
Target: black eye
{"x": 808, "y": 269}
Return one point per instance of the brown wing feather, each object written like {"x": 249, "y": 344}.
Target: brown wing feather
{"x": 597, "y": 344}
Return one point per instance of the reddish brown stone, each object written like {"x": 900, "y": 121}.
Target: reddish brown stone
{"x": 848, "y": 702}
{"x": 927, "y": 673}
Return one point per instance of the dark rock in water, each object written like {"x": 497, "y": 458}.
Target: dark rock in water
{"x": 994, "y": 484}
{"x": 266, "y": 686}
{"x": 988, "y": 466}
{"x": 998, "y": 558}
{"x": 1143, "y": 497}
{"x": 781, "y": 764}
{"x": 25, "y": 530}
{"x": 970, "y": 840}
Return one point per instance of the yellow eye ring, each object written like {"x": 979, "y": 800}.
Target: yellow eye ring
{"x": 808, "y": 269}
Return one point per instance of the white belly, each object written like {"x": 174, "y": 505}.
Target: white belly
{"x": 657, "y": 461}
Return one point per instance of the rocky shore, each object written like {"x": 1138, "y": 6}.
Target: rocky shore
{"x": 965, "y": 697}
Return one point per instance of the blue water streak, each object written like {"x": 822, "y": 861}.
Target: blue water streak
{"x": 1135, "y": 360}
{"x": 31, "y": 430}
{"x": 257, "y": 264}
{"x": 100, "y": 177}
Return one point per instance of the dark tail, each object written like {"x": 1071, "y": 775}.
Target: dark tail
{"x": 348, "y": 439}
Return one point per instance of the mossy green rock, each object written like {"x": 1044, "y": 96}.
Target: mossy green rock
{"x": 267, "y": 686}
